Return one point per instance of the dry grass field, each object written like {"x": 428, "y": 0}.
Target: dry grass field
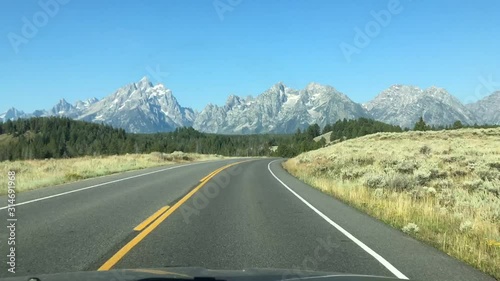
{"x": 440, "y": 187}
{"x": 31, "y": 174}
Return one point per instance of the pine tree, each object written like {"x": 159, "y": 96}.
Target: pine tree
{"x": 326, "y": 129}
{"x": 322, "y": 142}
{"x": 421, "y": 125}
{"x": 313, "y": 131}
{"x": 457, "y": 125}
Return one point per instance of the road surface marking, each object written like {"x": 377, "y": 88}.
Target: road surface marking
{"x": 214, "y": 172}
{"x": 149, "y": 220}
{"x": 123, "y": 251}
{"x": 367, "y": 249}
{"x": 100, "y": 184}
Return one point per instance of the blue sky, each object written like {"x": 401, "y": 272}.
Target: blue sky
{"x": 90, "y": 48}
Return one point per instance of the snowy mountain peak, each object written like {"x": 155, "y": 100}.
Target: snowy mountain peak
{"x": 278, "y": 87}
{"x": 316, "y": 90}
{"x": 64, "y": 104}
{"x": 159, "y": 86}
{"x": 313, "y": 86}
{"x": 160, "y": 92}
{"x": 140, "y": 107}
{"x": 12, "y": 114}
{"x": 278, "y": 110}
{"x": 80, "y": 105}
{"x": 91, "y": 100}
{"x": 409, "y": 89}
{"x": 40, "y": 113}
{"x": 144, "y": 83}
{"x": 403, "y": 105}
{"x": 233, "y": 101}
{"x": 144, "y": 80}
{"x": 62, "y": 108}
{"x": 437, "y": 92}
{"x": 399, "y": 89}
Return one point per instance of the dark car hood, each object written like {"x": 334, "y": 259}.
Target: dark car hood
{"x": 198, "y": 273}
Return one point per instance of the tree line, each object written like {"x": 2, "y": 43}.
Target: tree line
{"x": 60, "y": 137}
{"x": 420, "y": 125}
{"x": 348, "y": 129}
{"x": 303, "y": 141}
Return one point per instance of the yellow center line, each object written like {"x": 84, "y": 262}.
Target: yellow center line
{"x": 214, "y": 172}
{"x": 149, "y": 220}
{"x": 123, "y": 251}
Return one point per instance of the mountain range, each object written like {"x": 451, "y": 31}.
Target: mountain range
{"x": 142, "y": 107}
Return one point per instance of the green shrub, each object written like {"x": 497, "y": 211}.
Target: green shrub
{"x": 374, "y": 181}
{"x": 350, "y": 174}
{"x": 73, "y": 177}
{"x": 492, "y": 186}
{"x": 486, "y": 173}
{"x": 494, "y": 165}
{"x": 459, "y": 173}
{"x": 411, "y": 228}
{"x": 425, "y": 150}
{"x": 364, "y": 161}
{"x": 422, "y": 176}
{"x": 400, "y": 182}
{"x": 446, "y": 198}
{"x": 406, "y": 167}
{"x": 452, "y": 159}
{"x": 473, "y": 184}
{"x": 443, "y": 184}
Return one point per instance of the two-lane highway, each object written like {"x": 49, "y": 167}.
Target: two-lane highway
{"x": 230, "y": 214}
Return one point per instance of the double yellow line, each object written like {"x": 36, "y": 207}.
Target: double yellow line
{"x": 211, "y": 174}
{"x": 149, "y": 220}
{"x": 148, "y": 225}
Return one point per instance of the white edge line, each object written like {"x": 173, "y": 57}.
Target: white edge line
{"x": 367, "y": 249}
{"x": 97, "y": 185}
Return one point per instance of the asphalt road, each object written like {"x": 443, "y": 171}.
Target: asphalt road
{"x": 249, "y": 215}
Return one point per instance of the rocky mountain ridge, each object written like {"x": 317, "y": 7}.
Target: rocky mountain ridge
{"x": 142, "y": 107}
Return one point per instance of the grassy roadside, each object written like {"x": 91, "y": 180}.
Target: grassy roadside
{"x": 32, "y": 174}
{"x": 442, "y": 188}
